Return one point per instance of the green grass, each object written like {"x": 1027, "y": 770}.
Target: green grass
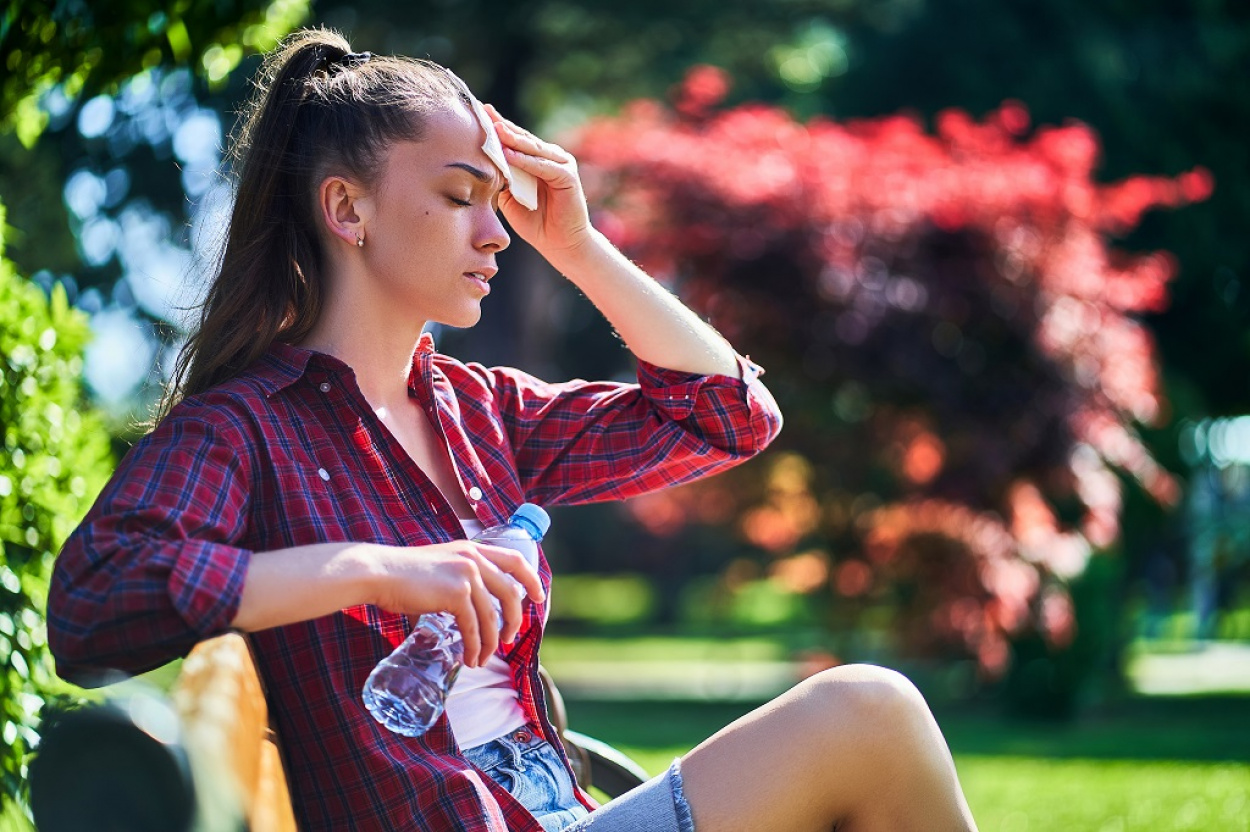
{"x": 1024, "y": 793}
{"x": 1142, "y": 764}
{"x": 1165, "y": 764}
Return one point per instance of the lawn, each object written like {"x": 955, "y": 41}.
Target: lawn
{"x": 1156, "y": 764}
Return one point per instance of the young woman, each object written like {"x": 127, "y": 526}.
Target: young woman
{"x": 316, "y": 482}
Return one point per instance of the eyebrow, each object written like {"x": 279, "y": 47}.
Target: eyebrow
{"x": 477, "y": 173}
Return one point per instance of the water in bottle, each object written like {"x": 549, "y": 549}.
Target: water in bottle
{"x": 408, "y": 689}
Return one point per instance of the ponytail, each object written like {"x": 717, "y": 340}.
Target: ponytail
{"x": 317, "y": 108}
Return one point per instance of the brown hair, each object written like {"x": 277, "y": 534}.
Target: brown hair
{"x": 317, "y": 108}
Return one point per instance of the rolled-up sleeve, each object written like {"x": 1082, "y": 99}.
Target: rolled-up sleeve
{"x": 154, "y": 566}
{"x": 585, "y": 441}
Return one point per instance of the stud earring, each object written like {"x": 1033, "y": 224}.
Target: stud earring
{"x": 360, "y": 241}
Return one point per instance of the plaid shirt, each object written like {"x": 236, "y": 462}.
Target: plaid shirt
{"x": 290, "y": 453}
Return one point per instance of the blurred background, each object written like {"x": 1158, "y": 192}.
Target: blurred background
{"x": 991, "y": 256}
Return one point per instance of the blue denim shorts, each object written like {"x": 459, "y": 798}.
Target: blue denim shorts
{"x": 531, "y": 770}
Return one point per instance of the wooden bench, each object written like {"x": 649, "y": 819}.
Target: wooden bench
{"x": 220, "y": 700}
{"x": 207, "y": 755}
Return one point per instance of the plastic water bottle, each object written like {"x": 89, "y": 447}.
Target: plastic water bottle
{"x": 408, "y": 689}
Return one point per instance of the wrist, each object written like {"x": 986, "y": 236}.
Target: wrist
{"x": 583, "y": 257}
{"x": 363, "y": 569}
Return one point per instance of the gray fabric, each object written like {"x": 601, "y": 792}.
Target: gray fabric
{"x": 658, "y": 805}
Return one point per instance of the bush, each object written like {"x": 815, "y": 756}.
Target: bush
{"x": 56, "y": 458}
{"x": 949, "y": 327}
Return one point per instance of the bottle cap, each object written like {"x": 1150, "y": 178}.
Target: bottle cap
{"x": 532, "y": 518}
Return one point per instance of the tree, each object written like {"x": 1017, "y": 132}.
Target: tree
{"x": 1160, "y": 83}
{"x": 67, "y": 45}
{"x": 56, "y": 459}
{"x": 56, "y": 450}
{"x": 951, "y": 335}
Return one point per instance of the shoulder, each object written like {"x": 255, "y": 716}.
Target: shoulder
{"x": 471, "y": 379}
{"x": 475, "y": 378}
{"x": 235, "y": 411}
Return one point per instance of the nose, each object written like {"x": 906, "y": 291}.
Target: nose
{"x": 492, "y": 236}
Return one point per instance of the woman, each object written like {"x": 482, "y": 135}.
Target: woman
{"x": 316, "y": 483}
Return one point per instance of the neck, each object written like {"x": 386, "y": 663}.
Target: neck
{"x": 373, "y": 338}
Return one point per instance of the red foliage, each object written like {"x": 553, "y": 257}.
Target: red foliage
{"x": 954, "y": 295}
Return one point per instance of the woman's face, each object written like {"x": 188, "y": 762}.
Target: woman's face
{"x": 433, "y": 231}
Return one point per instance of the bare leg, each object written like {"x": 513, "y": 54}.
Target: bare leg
{"x": 853, "y": 748}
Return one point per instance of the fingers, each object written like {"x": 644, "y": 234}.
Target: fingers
{"x": 502, "y": 578}
{"x": 520, "y": 139}
{"x": 511, "y": 562}
{"x": 510, "y": 579}
{"x": 528, "y": 143}
{"x": 474, "y": 606}
{"x": 556, "y": 174}
{"x": 488, "y": 624}
{"x": 466, "y": 615}
{"x": 467, "y": 579}
{"x": 562, "y": 222}
{"x": 474, "y": 609}
{"x": 509, "y": 593}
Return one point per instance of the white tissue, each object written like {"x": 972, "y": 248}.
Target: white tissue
{"x": 523, "y": 186}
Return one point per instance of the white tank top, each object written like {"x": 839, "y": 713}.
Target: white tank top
{"x": 483, "y": 704}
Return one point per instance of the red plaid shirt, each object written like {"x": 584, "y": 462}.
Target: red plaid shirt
{"x": 290, "y": 453}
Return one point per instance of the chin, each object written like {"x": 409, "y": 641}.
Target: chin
{"x": 464, "y": 320}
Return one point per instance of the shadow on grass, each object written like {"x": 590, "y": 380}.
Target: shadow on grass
{"x": 1195, "y": 728}
{"x": 1174, "y": 728}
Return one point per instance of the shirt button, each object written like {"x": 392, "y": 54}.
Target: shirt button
{"x": 475, "y": 493}
{"x": 325, "y": 387}
{"x": 324, "y": 474}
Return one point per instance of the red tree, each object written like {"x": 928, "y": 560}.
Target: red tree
{"x": 949, "y": 332}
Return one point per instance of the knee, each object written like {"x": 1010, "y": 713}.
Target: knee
{"x": 877, "y": 698}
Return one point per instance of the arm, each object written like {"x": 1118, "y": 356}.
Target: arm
{"x": 698, "y": 408}
{"x": 161, "y": 561}
{"x": 654, "y": 324}
{"x": 581, "y": 441}
{"x": 158, "y": 561}
{"x": 460, "y": 576}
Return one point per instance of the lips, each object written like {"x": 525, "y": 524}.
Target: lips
{"x": 480, "y": 279}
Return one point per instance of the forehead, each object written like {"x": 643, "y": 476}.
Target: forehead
{"x": 452, "y": 135}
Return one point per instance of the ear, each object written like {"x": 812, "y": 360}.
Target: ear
{"x": 345, "y": 208}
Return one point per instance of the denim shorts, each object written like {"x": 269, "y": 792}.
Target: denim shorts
{"x": 531, "y": 770}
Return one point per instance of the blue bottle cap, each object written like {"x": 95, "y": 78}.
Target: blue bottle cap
{"x": 532, "y": 518}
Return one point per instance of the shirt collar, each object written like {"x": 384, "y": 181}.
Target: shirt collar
{"x": 281, "y": 366}
{"x": 284, "y": 364}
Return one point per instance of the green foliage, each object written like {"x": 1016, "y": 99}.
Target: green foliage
{"x": 1161, "y": 82}
{"x": 56, "y": 451}
{"x": 87, "y": 50}
{"x": 56, "y": 458}
{"x": 1049, "y": 682}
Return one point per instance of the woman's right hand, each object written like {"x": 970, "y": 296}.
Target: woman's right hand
{"x": 460, "y": 577}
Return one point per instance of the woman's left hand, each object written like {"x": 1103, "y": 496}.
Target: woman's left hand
{"x": 561, "y": 223}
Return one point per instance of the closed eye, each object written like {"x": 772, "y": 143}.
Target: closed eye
{"x": 493, "y": 182}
